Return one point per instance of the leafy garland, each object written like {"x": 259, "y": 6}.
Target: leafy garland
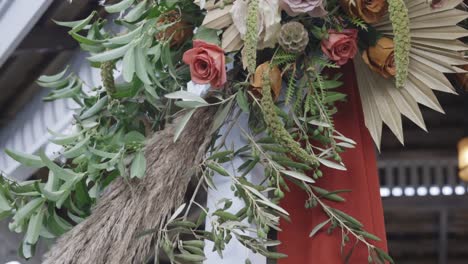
{"x": 112, "y": 122}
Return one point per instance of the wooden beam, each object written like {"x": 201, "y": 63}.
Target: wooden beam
{"x": 425, "y": 203}
{"x": 16, "y": 21}
{"x": 46, "y": 40}
{"x": 443, "y": 236}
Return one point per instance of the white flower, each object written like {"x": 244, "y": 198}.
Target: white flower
{"x": 269, "y": 20}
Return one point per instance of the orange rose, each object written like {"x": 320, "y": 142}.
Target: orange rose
{"x": 371, "y": 11}
{"x": 381, "y": 57}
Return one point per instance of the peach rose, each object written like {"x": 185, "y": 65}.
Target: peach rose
{"x": 381, "y": 57}
{"x": 371, "y": 11}
{"x": 340, "y": 46}
{"x": 207, "y": 63}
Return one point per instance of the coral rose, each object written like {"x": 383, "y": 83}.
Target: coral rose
{"x": 207, "y": 63}
{"x": 371, "y": 11}
{"x": 296, "y": 7}
{"x": 340, "y": 46}
{"x": 381, "y": 57}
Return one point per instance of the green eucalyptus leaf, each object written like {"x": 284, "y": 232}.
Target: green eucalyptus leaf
{"x": 218, "y": 168}
{"x": 208, "y": 35}
{"x": 84, "y": 40}
{"x": 138, "y": 167}
{"x": 62, "y": 173}
{"x": 110, "y": 55}
{"x": 25, "y": 159}
{"x": 331, "y": 164}
{"x": 182, "y": 123}
{"x": 134, "y": 137}
{"x": 332, "y": 196}
{"x": 96, "y": 108}
{"x": 242, "y": 101}
{"x": 319, "y": 227}
{"x": 27, "y": 210}
{"x": 52, "y": 78}
{"x": 128, "y": 67}
{"x": 26, "y": 250}
{"x": 184, "y": 95}
{"x": 221, "y": 116}
{"x": 78, "y": 149}
{"x": 77, "y": 25}
{"x": 135, "y": 14}
{"x": 298, "y": 175}
{"x": 140, "y": 64}
{"x": 126, "y": 38}
{"x": 5, "y": 205}
{"x": 119, "y": 6}
{"x": 65, "y": 140}
{"x": 103, "y": 154}
{"x": 177, "y": 212}
{"x": 189, "y": 257}
{"x": 35, "y": 226}
{"x": 369, "y": 235}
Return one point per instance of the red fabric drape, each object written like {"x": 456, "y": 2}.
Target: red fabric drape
{"x": 363, "y": 203}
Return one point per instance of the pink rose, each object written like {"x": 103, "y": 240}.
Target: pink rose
{"x": 296, "y": 7}
{"x": 207, "y": 63}
{"x": 340, "y": 46}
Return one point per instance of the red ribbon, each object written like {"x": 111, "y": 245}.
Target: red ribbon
{"x": 363, "y": 203}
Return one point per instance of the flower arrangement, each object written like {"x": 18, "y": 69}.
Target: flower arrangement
{"x": 281, "y": 52}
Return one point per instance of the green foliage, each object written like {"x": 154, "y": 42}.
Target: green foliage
{"x": 359, "y": 23}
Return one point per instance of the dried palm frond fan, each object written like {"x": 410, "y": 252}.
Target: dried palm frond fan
{"x": 435, "y": 51}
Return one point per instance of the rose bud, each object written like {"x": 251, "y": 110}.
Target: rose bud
{"x": 179, "y": 31}
{"x": 381, "y": 58}
{"x": 207, "y": 63}
{"x": 371, "y": 11}
{"x": 256, "y": 82}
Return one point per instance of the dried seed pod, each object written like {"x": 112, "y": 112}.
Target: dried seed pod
{"x": 293, "y": 37}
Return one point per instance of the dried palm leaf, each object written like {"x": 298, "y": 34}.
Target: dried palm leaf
{"x": 435, "y": 50}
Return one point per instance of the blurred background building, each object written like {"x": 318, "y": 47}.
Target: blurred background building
{"x": 425, "y": 201}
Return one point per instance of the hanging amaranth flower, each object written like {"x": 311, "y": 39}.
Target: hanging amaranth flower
{"x": 402, "y": 39}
